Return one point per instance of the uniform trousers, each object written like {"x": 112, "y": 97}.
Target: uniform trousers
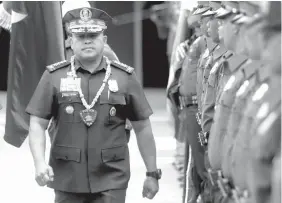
{"x": 190, "y": 128}
{"x": 109, "y": 196}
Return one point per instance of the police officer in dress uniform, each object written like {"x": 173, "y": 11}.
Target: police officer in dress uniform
{"x": 238, "y": 67}
{"x": 240, "y": 154}
{"x": 211, "y": 45}
{"x": 188, "y": 124}
{"x": 172, "y": 87}
{"x": 89, "y": 99}
{"x": 240, "y": 86}
{"x": 70, "y": 5}
{"x": 265, "y": 131}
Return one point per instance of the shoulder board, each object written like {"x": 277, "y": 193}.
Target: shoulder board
{"x": 122, "y": 66}
{"x": 58, "y": 65}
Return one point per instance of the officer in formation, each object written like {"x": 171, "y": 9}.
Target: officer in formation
{"x": 233, "y": 69}
{"x": 88, "y": 99}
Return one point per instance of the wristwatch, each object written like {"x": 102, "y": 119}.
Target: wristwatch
{"x": 155, "y": 174}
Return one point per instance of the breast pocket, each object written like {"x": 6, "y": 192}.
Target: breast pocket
{"x": 114, "y": 106}
{"x": 70, "y": 106}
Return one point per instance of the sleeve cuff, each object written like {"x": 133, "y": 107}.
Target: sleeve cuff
{"x": 39, "y": 114}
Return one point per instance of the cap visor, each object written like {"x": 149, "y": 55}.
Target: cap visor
{"x": 243, "y": 20}
{"x": 201, "y": 10}
{"x": 237, "y": 17}
{"x": 209, "y": 13}
{"x": 221, "y": 13}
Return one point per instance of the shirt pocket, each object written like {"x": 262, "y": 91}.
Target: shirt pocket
{"x": 66, "y": 153}
{"x": 70, "y": 106}
{"x": 113, "y": 154}
{"x": 115, "y": 107}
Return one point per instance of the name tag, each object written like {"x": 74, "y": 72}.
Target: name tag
{"x": 70, "y": 84}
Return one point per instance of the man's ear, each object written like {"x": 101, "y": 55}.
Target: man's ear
{"x": 105, "y": 39}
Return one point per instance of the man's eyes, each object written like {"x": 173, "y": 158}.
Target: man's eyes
{"x": 87, "y": 36}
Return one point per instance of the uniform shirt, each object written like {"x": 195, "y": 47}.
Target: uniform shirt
{"x": 209, "y": 92}
{"x": 240, "y": 154}
{"x": 228, "y": 101}
{"x": 205, "y": 56}
{"x": 239, "y": 106}
{"x": 223, "y": 107}
{"x": 96, "y": 158}
{"x": 188, "y": 78}
{"x": 265, "y": 136}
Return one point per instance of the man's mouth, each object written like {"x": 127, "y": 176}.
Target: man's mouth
{"x": 88, "y": 48}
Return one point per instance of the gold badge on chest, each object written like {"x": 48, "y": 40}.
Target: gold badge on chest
{"x": 88, "y": 116}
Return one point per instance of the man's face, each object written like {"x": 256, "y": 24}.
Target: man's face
{"x": 213, "y": 30}
{"x": 204, "y": 27}
{"x": 229, "y": 34}
{"x": 88, "y": 46}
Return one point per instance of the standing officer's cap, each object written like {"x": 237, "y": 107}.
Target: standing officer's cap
{"x": 214, "y": 6}
{"x": 203, "y": 6}
{"x": 193, "y": 20}
{"x": 227, "y": 8}
{"x": 86, "y": 20}
{"x": 250, "y": 11}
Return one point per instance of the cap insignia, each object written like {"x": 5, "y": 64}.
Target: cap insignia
{"x": 85, "y": 14}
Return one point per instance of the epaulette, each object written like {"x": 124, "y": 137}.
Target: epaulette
{"x": 58, "y": 65}
{"x": 122, "y": 66}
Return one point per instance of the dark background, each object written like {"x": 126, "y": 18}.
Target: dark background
{"x": 120, "y": 38}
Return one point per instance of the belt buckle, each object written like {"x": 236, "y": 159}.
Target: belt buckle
{"x": 212, "y": 176}
{"x": 202, "y": 139}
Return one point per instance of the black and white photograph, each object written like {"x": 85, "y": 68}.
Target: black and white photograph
{"x": 140, "y": 101}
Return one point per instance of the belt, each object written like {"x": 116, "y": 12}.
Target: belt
{"x": 203, "y": 138}
{"x": 187, "y": 100}
{"x": 198, "y": 117}
{"x": 226, "y": 188}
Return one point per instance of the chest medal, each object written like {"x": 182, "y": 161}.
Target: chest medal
{"x": 88, "y": 116}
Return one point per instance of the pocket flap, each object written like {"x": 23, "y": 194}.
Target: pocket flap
{"x": 113, "y": 154}
{"x": 66, "y": 153}
{"x": 69, "y": 97}
{"x": 113, "y": 98}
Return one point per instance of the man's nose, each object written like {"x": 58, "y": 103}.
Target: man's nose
{"x": 87, "y": 40}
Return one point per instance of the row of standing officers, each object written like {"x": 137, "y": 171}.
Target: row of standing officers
{"x": 225, "y": 95}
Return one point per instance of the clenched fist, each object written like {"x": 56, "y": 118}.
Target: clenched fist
{"x": 150, "y": 187}
{"x": 43, "y": 174}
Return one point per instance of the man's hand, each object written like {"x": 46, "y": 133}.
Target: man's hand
{"x": 150, "y": 187}
{"x": 181, "y": 51}
{"x": 43, "y": 174}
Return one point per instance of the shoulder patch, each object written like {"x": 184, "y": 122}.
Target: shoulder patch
{"x": 122, "y": 66}
{"x": 58, "y": 65}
